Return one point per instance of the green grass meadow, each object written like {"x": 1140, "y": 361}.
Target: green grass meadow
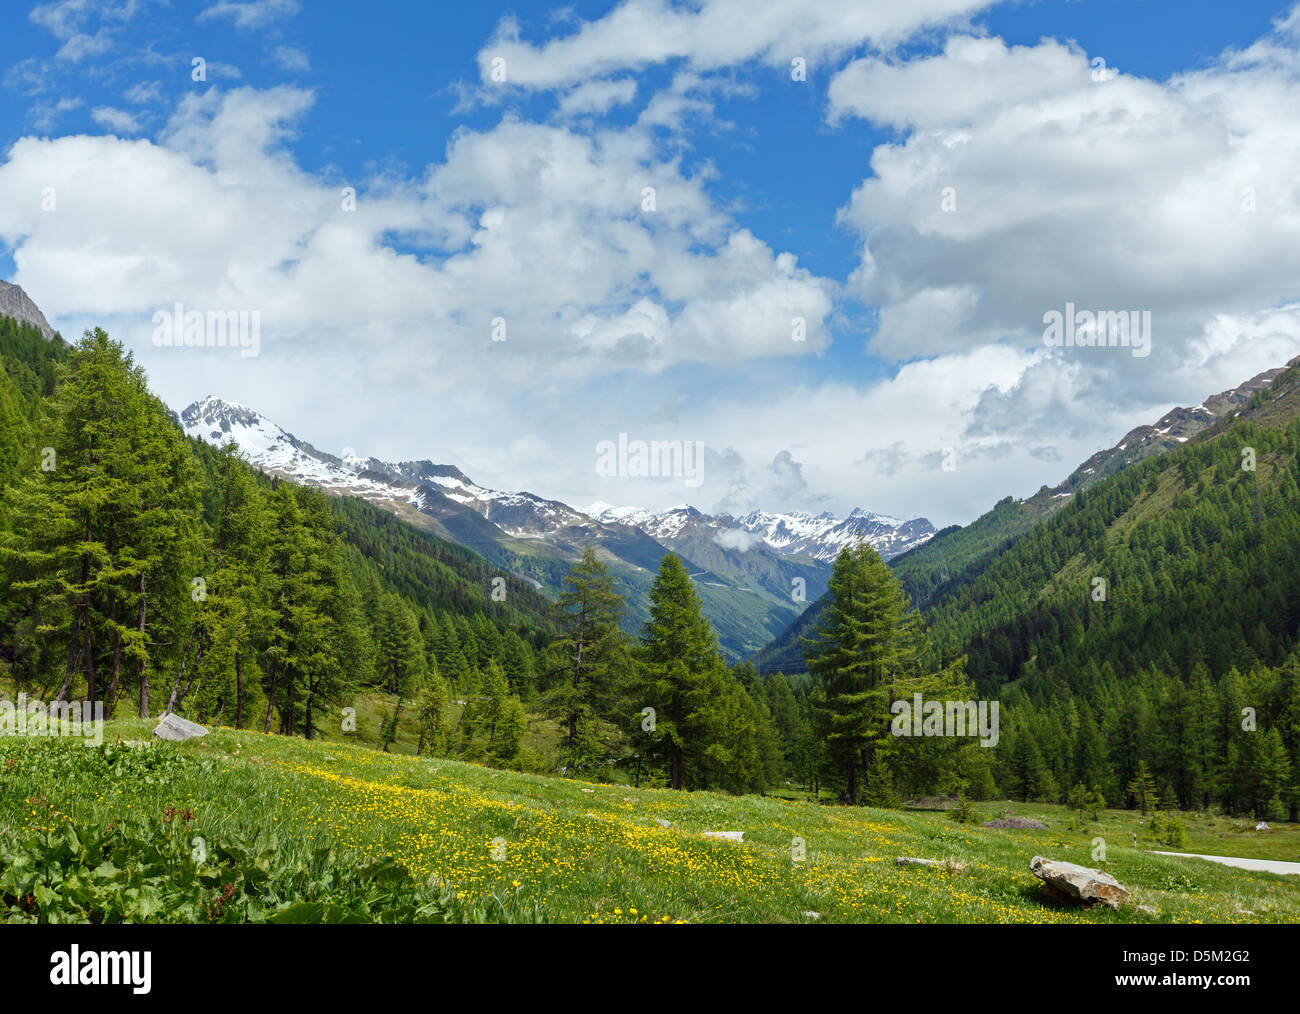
{"x": 276, "y": 825}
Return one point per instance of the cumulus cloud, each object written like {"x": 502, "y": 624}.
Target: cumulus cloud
{"x": 1123, "y": 193}
{"x": 547, "y": 230}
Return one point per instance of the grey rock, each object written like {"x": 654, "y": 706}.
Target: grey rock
{"x": 950, "y": 865}
{"x": 178, "y": 729}
{"x": 1019, "y": 823}
{"x": 725, "y": 835}
{"x": 1070, "y": 882}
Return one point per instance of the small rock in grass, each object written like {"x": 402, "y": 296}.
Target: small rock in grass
{"x": 177, "y": 729}
{"x": 1070, "y": 882}
{"x": 726, "y": 835}
{"x": 951, "y": 865}
{"x": 812, "y": 915}
{"x": 663, "y": 823}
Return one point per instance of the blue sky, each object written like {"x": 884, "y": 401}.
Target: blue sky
{"x": 478, "y": 199}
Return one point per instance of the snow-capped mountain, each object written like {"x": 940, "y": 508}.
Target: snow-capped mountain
{"x": 820, "y": 536}
{"x": 754, "y": 574}
{"x": 427, "y": 487}
{"x": 272, "y": 449}
{"x": 422, "y": 484}
{"x": 824, "y": 535}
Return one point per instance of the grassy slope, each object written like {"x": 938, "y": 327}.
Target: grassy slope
{"x": 582, "y": 852}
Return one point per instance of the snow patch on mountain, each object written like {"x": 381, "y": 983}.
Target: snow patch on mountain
{"x": 820, "y": 536}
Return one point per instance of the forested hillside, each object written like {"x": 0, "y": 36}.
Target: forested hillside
{"x": 151, "y": 572}
{"x": 1143, "y": 638}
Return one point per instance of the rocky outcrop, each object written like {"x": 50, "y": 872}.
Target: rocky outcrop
{"x": 15, "y": 303}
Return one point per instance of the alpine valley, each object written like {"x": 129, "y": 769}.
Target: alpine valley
{"x": 754, "y": 574}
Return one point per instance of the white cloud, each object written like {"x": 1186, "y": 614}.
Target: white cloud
{"x": 292, "y": 59}
{"x": 117, "y": 120}
{"x": 45, "y": 114}
{"x": 535, "y": 224}
{"x": 1120, "y": 194}
{"x": 253, "y": 13}
{"x": 81, "y": 46}
{"x": 597, "y": 96}
{"x": 144, "y": 92}
{"x": 738, "y": 539}
{"x": 711, "y": 34}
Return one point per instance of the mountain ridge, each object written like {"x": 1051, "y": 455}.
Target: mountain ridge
{"x": 15, "y": 303}
{"x": 928, "y": 570}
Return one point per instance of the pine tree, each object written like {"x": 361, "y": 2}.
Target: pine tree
{"x": 866, "y": 642}
{"x": 435, "y": 733}
{"x": 1142, "y": 789}
{"x": 680, "y": 654}
{"x": 400, "y": 663}
{"x": 591, "y": 649}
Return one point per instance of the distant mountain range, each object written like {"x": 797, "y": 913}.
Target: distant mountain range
{"x": 755, "y": 574}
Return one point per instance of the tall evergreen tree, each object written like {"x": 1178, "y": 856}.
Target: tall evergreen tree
{"x": 591, "y": 650}
{"x": 682, "y": 664}
{"x": 866, "y": 642}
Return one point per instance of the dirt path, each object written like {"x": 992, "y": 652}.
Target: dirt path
{"x": 1264, "y": 865}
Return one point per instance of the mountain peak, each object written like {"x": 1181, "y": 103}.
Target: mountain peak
{"x": 15, "y": 303}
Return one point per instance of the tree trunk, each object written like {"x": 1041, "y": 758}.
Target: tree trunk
{"x": 311, "y": 693}
{"x": 239, "y": 693}
{"x": 180, "y": 673}
{"x": 270, "y": 697}
{"x": 198, "y": 660}
{"x": 88, "y": 648}
{"x": 144, "y": 664}
{"x": 110, "y": 698}
{"x": 65, "y": 690}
